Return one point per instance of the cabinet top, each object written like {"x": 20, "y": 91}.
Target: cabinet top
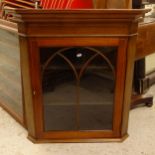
{"x": 36, "y": 15}
{"x": 62, "y": 23}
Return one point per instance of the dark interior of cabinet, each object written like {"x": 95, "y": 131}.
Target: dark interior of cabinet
{"x": 78, "y": 87}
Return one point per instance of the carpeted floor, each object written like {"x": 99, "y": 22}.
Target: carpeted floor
{"x": 141, "y": 140}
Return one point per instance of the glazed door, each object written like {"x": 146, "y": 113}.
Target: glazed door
{"x": 77, "y": 84}
{"x": 78, "y": 87}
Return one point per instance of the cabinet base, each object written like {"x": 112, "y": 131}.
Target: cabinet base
{"x": 99, "y": 140}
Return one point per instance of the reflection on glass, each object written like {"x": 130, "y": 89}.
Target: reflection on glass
{"x": 96, "y": 98}
{"x": 78, "y": 87}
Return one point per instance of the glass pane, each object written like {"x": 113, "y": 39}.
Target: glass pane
{"x": 10, "y": 72}
{"x": 59, "y": 91}
{"x": 78, "y": 87}
{"x": 97, "y": 91}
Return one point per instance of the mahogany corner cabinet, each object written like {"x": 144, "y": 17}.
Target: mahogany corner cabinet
{"x": 66, "y": 75}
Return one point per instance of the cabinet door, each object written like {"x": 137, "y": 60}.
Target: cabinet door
{"x": 79, "y": 89}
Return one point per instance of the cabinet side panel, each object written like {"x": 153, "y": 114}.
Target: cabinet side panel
{"x": 128, "y": 83}
{"x": 27, "y": 93}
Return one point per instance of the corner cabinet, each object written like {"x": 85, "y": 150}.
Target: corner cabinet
{"x": 77, "y": 69}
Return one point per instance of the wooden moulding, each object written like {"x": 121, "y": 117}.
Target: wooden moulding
{"x": 90, "y": 140}
{"x": 75, "y": 22}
